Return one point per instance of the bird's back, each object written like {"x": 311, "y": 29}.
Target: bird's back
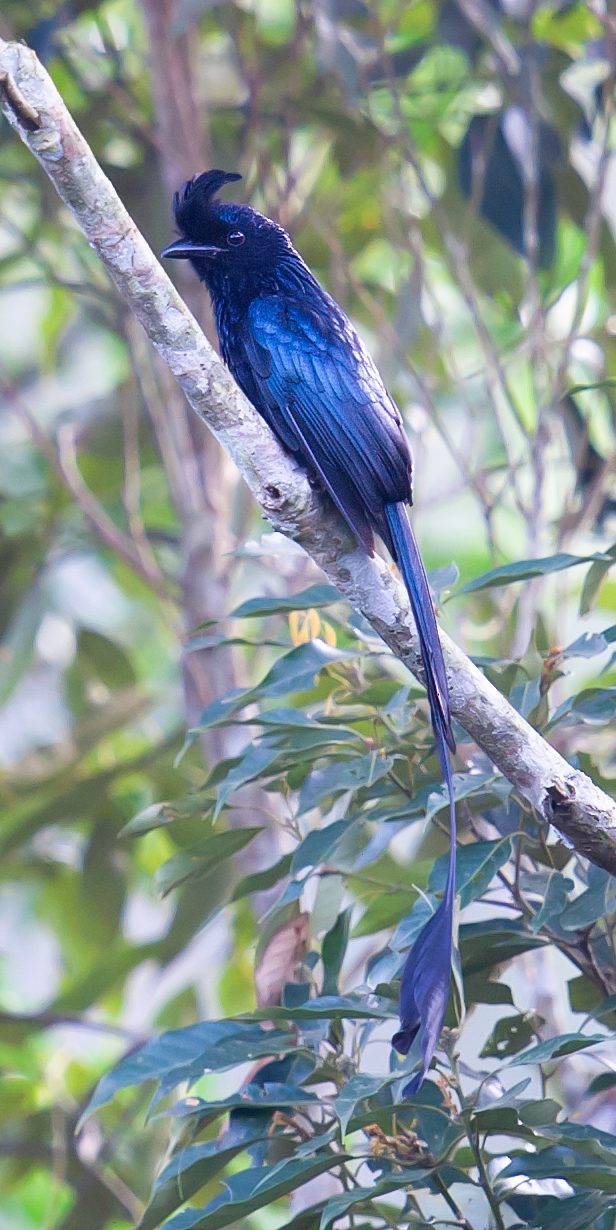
{"x": 301, "y": 363}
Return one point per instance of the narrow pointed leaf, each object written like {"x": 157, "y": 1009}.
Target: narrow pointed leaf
{"x": 524, "y": 569}
{"x": 557, "y": 1048}
{"x": 253, "y": 1189}
{"x": 314, "y": 597}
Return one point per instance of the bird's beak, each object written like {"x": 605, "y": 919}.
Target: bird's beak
{"x": 183, "y": 249}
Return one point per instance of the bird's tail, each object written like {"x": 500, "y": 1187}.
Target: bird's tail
{"x": 425, "y": 981}
{"x": 413, "y": 572}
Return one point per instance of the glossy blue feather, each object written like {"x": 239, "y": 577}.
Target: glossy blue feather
{"x": 302, "y": 365}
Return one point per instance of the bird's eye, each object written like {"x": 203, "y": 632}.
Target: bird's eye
{"x": 235, "y": 239}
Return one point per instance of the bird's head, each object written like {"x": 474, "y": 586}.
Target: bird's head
{"x": 222, "y": 235}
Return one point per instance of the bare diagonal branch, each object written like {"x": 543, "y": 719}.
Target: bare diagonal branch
{"x": 562, "y": 795}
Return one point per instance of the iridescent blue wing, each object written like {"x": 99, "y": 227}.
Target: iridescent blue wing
{"x": 317, "y": 384}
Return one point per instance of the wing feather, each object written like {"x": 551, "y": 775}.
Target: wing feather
{"x": 326, "y": 391}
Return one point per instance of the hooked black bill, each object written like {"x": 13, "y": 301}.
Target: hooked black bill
{"x": 183, "y": 249}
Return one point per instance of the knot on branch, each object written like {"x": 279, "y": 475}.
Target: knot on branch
{"x": 560, "y": 800}
{"x": 13, "y": 97}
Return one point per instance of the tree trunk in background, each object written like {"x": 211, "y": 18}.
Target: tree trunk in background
{"x": 201, "y": 479}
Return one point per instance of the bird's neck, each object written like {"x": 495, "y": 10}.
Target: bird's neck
{"x": 232, "y": 292}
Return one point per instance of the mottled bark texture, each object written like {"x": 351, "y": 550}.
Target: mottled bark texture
{"x": 562, "y": 795}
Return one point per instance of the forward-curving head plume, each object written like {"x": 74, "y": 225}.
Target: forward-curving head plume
{"x": 222, "y": 235}
{"x": 196, "y": 195}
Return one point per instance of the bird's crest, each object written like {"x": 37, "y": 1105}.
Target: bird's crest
{"x": 200, "y": 190}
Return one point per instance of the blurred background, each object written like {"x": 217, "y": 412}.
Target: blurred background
{"x": 446, "y": 170}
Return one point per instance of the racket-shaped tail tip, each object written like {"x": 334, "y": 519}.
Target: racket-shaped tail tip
{"x": 424, "y": 990}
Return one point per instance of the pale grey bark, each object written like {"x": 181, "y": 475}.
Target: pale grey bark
{"x": 562, "y": 795}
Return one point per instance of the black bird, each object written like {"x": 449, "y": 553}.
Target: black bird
{"x": 300, "y": 362}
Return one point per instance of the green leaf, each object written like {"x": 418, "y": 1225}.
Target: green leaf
{"x": 605, "y": 1080}
{"x": 386, "y": 909}
{"x": 352, "y": 774}
{"x": 106, "y": 659}
{"x": 409, "y": 927}
{"x": 262, "y": 880}
{"x": 499, "y": 1120}
{"x": 586, "y": 646}
{"x": 18, "y": 641}
{"x": 337, "y": 1206}
{"x": 157, "y": 815}
{"x": 511, "y": 1096}
{"x": 329, "y": 1008}
{"x": 252, "y": 766}
{"x": 557, "y": 891}
{"x": 595, "y": 384}
{"x": 477, "y": 865}
{"x": 557, "y": 1048}
{"x": 509, "y": 1036}
{"x": 254, "y": 1188}
{"x": 594, "y": 903}
{"x": 318, "y": 845}
{"x": 465, "y": 786}
{"x": 273, "y": 1096}
{"x": 312, "y": 598}
{"x": 297, "y": 671}
{"x": 185, "y": 1054}
{"x": 584, "y": 995}
{"x": 307, "y": 1219}
{"x": 484, "y": 945}
{"x": 524, "y": 569}
{"x": 573, "y": 1212}
{"x": 539, "y": 1112}
{"x": 605, "y": 1007}
{"x": 333, "y": 951}
{"x": 584, "y": 1138}
{"x": 356, "y": 1089}
{"x": 220, "y": 711}
{"x": 594, "y": 580}
{"x": 189, "y": 1170}
{"x": 204, "y": 856}
{"x": 153, "y": 817}
{"x": 557, "y": 1163}
{"x": 479, "y": 990}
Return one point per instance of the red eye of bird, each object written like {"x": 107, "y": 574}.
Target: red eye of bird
{"x": 235, "y": 239}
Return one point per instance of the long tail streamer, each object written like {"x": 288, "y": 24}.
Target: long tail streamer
{"x": 424, "y": 988}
